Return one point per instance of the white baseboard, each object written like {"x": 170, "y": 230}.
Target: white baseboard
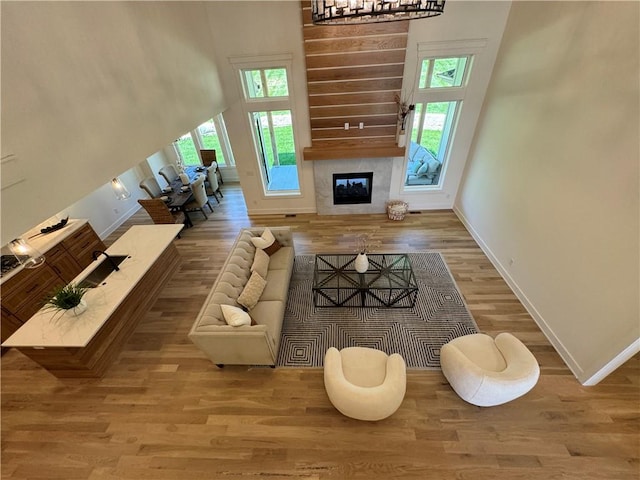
{"x": 278, "y": 211}
{"x": 619, "y": 359}
{"x": 575, "y": 368}
{"x": 119, "y": 221}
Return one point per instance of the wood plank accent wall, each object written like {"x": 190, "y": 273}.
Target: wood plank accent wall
{"x": 354, "y": 73}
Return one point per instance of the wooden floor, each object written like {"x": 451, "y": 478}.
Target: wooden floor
{"x": 163, "y": 411}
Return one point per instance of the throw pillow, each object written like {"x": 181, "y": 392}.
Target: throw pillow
{"x": 266, "y": 242}
{"x": 433, "y": 165}
{"x": 260, "y": 263}
{"x": 235, "y": 316}
{"x": 252, "y": 291}
{"x": 422, "y": 171}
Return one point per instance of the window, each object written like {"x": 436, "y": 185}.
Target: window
{"x": 441, "y": 88}
{"x": 212, "y": 134}
{"x": 187, "y": 150}
{"x": 270, "y": 82}
{"x": 442, "y": 72}
{"x": 269, "y": 108}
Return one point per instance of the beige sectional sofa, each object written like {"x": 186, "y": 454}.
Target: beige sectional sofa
{"x": 247, "y": 344}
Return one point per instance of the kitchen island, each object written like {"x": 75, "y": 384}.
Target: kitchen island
{"x": 86, "y": 345}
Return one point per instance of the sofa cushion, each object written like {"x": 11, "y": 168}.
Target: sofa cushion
{"x": 260, "y": 263}
{"x": 252, "y": 291}
{"x": 270, "y": 314}
{"x": 266, "y": 242}
{"x": 282, "y": 259}
{"x": 433, "y": 166}
{"x": 277, "y": 285}
{"x": 235, "y": 316}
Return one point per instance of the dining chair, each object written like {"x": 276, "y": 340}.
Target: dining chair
{"x": 209, "y": 159}
{"x": 160, "y": 213}
{"x": 151, "y": 186}
{"x": 200, "y": 196}
{"x": 169, "y": 173}
{"x": 211, "y": 183}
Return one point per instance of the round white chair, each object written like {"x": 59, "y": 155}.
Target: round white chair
{"x": 364, "y": 383}
{"x": 487, "y": 372}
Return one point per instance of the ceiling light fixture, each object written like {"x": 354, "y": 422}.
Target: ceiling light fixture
{"x": 25, "y": 253}
{"x": 345, "y": 12}
{"x": 119, "y": 189}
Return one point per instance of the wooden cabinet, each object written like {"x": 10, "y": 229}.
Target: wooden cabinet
{"x": 25, "y": 292}
{"x": 63, "y": 263}
{"x": 9, "y": 324}
{"x": 82, "y": 243}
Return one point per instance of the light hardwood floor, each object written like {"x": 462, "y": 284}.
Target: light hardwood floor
{"x": 163, "y": 411}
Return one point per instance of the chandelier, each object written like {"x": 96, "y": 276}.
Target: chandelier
{"x": 336, "y": 12}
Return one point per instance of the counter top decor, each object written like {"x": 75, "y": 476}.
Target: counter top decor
{"x": 67, "y": 298}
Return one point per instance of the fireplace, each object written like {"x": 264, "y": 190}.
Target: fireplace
{"x": 352, "y": 188}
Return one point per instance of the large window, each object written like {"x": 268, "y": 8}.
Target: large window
{"x": 441, "y": 88}
{"x": 270, "y": 112}
{"x": 210, "y": 135}
{"x": 187, "y": 150}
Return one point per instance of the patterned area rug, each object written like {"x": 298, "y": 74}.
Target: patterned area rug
{"x": 417, "y": 333}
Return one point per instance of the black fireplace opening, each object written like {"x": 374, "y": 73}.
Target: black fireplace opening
{"x": 352, "y": 188}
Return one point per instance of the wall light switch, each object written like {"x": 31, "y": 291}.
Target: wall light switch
{"x": 361, "y": 126}
{"x": 346, "y": 125}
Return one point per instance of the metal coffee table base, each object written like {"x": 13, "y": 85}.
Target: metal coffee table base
{"x": 389, "y": 282}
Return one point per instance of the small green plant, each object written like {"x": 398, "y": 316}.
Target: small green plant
{"x": 66, "y": 298}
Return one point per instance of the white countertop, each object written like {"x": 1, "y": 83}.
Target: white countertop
{"x": 48, "y": 328}
{"x": 44, "y": 242}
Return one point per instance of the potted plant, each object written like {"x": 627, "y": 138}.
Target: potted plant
{"x": 68, "y": 298}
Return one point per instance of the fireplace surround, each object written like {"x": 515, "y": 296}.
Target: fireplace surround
{"x": 323, "y": 171}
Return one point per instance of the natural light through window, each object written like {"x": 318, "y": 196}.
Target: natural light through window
{"x": 212, "y": 134}
{"x": 270, "y": 111}
{"x": 442, "y": 83}
{"x": 266, "y": 83}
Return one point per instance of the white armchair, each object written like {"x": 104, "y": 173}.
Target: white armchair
{"x": 487, "y": 372}
{"x": 364, "y": 383}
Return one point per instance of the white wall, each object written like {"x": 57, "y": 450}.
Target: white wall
{"x": 91, "y": 89}
{"x": 551, "y": 188}
{"x": 258, "y": 28}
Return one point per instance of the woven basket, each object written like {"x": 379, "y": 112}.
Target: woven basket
{"x": 397, "y": 209}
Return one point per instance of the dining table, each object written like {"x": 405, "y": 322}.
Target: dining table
{"x": 179, "y": 195}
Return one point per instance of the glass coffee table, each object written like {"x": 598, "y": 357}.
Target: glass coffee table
{"x": 389, "y": 281}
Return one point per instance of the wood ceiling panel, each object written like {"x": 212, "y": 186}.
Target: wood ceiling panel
{"x": 352, "y": 98}
{"x": 324, "y": 88}
{"x": 357, "y": 44}
{"x": 338, "y": 122}
{"x": 375, "y": 132}
{"x": 355, "y": 59}
{"x": 355, "y": 73}
{"x": 342, "y": 31}
{"x": 322, "y": 111}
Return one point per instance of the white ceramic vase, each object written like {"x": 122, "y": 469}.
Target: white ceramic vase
{"x": 362, "y": 263}
{"x": 78, "y": 309}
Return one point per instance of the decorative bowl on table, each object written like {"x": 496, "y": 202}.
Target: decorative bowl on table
{"x": 185, "y": 188}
